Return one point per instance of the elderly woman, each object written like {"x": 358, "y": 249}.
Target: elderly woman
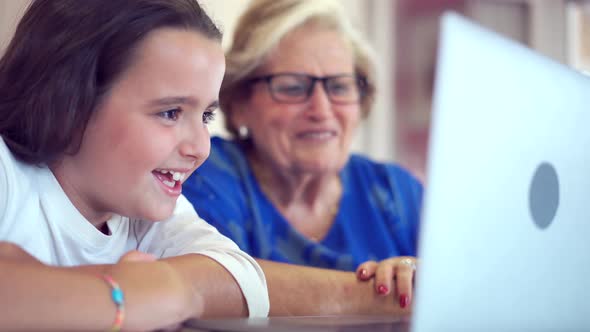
{"x": 298, "y": 81}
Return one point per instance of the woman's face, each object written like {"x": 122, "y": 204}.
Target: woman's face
{"x": 313, "y": 136}
{"x": 150, "y": 133}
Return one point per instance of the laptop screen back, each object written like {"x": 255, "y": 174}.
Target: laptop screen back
{"x": 505, "y": 235}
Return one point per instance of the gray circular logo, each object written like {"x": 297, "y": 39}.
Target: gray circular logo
{"x": 544, "y": 195}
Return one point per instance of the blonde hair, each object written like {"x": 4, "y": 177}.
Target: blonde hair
{"x": 262, "y": 26}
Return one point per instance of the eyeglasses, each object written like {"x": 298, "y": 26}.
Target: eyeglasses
{"x": 292, "y": 88}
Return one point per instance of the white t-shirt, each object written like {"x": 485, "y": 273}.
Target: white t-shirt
{"x": 36, "y": 214}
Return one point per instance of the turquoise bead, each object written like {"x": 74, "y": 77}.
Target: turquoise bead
{"x": 117, "y": 295}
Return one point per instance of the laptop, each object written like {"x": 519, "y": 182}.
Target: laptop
{"x": 505, "y": 235}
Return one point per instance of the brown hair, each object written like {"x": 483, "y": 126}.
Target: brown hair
{"x": 64, "y": 58}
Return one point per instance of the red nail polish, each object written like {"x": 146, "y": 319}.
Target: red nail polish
{"x": 403, "y": 300}
{"x": 362, "y": 273}
{"x": 382, "y": 289}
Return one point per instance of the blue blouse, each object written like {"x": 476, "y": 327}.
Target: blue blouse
{"x": 378, "y": 215}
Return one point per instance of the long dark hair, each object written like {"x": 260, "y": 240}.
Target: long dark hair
{"x": 64, "y": 58}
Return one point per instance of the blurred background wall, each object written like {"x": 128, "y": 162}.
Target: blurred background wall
{"x": 404, "y": 34}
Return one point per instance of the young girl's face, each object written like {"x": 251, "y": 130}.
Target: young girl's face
{"x": 150, "y": 133}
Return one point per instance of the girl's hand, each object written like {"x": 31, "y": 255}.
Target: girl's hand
{"x": 12, "y": 252}
{"x": 396, "y": 269}
{"x": 137, "y": 256}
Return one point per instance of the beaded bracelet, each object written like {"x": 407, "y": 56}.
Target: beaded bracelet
{"x": 118, "y": 299}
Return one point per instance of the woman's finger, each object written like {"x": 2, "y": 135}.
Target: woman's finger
{"x": 366, "y": 270}
{"x": 404, "y": 274}
{"x": 384, "y": 276}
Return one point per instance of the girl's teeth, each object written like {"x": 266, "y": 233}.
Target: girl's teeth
{"x": 169, "y": 183}
{"x": 176, "y": 176}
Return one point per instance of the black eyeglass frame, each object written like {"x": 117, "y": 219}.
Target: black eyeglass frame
{"x": 361, "y": 83}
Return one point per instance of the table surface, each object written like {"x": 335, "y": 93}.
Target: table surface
{"x": 302, "y": 323}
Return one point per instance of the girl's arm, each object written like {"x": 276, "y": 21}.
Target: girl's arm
{"x": 216, "y": 291}
{"x": 230, "y": 280}
{"x": 157, "y": 294}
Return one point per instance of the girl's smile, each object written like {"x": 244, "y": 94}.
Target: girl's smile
{"x": 171, "y": 180}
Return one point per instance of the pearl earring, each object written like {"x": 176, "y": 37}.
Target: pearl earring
{"x": 243, "y": 132}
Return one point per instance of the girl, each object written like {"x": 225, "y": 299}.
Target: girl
{"x": 104, "y": 108}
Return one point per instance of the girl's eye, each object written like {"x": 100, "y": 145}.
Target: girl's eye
{"x": 208, "y": 116}
{"x": 170, "y": 114}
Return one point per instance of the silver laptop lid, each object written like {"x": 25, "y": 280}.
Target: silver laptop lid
{"x": 505, "y": 236}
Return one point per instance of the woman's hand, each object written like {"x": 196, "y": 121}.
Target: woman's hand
{"x": 396, "y": 269}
